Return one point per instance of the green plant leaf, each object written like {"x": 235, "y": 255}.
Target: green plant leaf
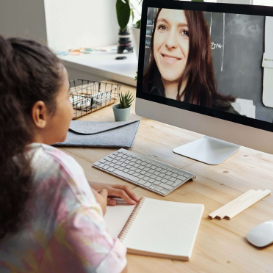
{"x": 123, "y": 13}
{"x": 133, "y": 14}
{"x": 125, "y": 100}
{"x": 138, "y": 23}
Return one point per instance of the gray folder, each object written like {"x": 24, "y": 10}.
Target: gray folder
{"x": 100, "y": 134}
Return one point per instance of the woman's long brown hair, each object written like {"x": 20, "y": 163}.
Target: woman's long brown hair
{"x": 201, "y": 86}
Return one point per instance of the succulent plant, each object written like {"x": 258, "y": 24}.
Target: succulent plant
{"x": 125, "y": 100}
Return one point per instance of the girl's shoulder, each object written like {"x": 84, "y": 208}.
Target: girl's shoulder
{"x": 43, "y": 153}
{"x": 56, "y": 169}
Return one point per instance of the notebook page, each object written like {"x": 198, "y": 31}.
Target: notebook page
{"x": 165, "y": 227}
{"x": 116, "y": 217}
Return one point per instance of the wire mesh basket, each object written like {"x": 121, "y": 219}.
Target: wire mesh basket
{"x": 89, "y": 96}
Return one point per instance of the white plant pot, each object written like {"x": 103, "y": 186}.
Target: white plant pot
{"x": 135, "y": 39}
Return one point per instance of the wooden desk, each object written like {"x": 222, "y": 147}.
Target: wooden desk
{"x": 220, "y": 245}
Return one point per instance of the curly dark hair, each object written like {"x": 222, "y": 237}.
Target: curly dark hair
{"x": 29, "y": 72}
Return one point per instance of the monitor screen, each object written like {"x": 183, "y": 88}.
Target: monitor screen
{"x": 218, "y": 63}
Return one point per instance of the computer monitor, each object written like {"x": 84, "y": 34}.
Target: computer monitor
{"x": 208, "y": 68}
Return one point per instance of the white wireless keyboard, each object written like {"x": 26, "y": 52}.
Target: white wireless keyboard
{"x": 143, "y": 171}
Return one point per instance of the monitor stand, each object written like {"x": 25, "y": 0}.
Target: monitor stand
{"x": 208, "y": 150}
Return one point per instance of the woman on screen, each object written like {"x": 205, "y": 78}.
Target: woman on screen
{"x": 180, "y": 66}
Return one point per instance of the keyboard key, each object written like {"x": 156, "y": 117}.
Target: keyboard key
{"x": 161, "y": 175}
{"x": 141, "y": 176}
{"x": 110, "y": 169}
{"x": 147, "y": 184}
{"x": 165, "y": 186}
{"x": 167, "y": 177}
{"x": 177, "y": 183}
{"x": 157, "y": 182}
{"x": 164, "y": 191}
{"x": 126, "y": 175}
{"x": 172, "y": 179}
{"x": 152, "y": 187}
{"x": 141, "y": 182}
{"x": 182, "y": 178}
{"x": 142, "y": 172}
{"x": 169, "y": 173}
{"x": 146, "y": 178}
{"x": 158, "y": 188}
{"x": 164, "y": 180}
{"x": 151, "y": 180}
{"x": 174, "y": 175}
{"x": 131, "y": 172}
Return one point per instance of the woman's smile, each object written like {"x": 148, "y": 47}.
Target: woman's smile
{"x": 170, "y": 59}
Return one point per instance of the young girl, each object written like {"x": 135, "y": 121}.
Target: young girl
{"x": 50, "y": 218}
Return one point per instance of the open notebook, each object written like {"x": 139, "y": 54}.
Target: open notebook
{"x": 156, "y": 228}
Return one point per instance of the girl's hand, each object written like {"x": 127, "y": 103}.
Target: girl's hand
{"x": 101, "y": 197}
{"x": 116, "y": 191}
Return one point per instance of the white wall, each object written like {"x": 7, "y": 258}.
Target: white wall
{"x": 80, "y": 23}
{"x": 23, "y": 18}
{"x": 263, "y": 2}
{"x": 235, "y": 1}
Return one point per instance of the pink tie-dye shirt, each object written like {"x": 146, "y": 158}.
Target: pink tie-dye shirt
{"x": 65, "y": 231}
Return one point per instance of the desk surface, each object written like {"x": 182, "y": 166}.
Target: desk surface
{"x": 220, "y": 244}
{"x": 104, "y": 64}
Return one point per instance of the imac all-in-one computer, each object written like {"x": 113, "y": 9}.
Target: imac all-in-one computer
{"x": 208, "y": 68}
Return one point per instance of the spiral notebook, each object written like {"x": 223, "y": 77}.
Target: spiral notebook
{"x": 155, "y": 227}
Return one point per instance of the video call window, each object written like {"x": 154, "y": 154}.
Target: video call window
{"x": 207, "y": 59}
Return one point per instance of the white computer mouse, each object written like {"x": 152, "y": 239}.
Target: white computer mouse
{"x": 261, "y": 235}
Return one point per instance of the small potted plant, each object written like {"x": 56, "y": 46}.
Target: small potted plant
{"x": 125, "y": 9}
{"x": 122, "y": 110}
